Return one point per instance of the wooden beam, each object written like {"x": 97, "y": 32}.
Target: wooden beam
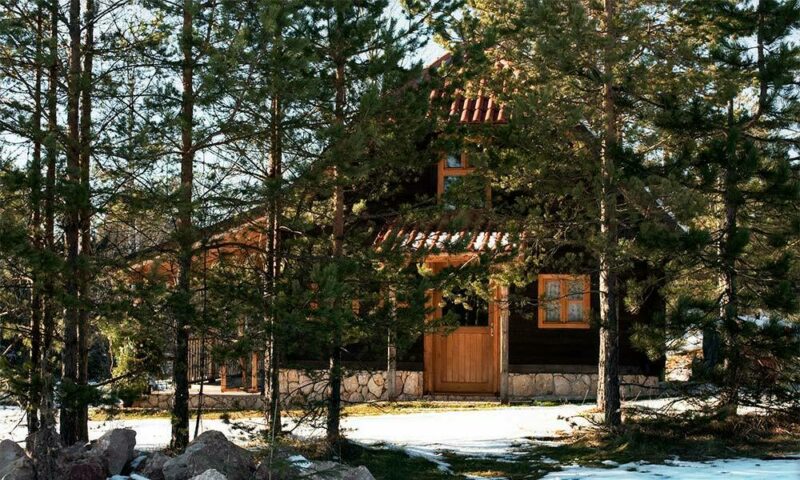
{"x": 444, "y": 260}
{"x": 502, "y": 303}
{"x": 391, "y": 367}
{"x": 223, "y": 376}
{"x": 254, "y": 372}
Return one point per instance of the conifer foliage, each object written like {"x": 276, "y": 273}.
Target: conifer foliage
{"x": 184, "y": 173}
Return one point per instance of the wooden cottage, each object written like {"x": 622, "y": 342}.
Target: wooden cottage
{"x": 536, "y": 340}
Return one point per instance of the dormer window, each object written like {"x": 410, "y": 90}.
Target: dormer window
{"x": 452, "y": 187}
{"x": 455, "y": 160}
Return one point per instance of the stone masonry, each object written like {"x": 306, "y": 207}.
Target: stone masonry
{"x": 574, "y": 386}
{"x": 299, "y": 387}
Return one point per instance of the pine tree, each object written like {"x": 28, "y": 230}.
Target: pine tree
{"x": 26, "y": 108}
{"x": 579, "y": 72}
{"x": 359, "y": 53}
{"x": 733, "y": 115}
{"x": 206, "y": 57}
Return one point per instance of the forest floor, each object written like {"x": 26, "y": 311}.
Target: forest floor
{"x": 517, "y": 442}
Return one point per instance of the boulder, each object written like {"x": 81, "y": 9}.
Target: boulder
{"x": 359, "y": 473}
{"x": 21, "y": 468}
{"x": 86, "y": 469}
{"x": 150, "y": 466}
{"x": 10, "y": 452}
{"x": 115, "y": 447}
{"x": 211, "y": 450}
{"x": 45, "y": 446}
{"x": 282, "y": 467}
{"x": 337, "y": 471}
{"x": 210, "y": 475}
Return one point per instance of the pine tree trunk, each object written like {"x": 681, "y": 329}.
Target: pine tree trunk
{"x": 608, "y": 396}
{"x": 273, "y": 259}
{"x": 84, "y": 293}
{"x": 184, "y": 312}
{"x": 32, "y": 413}
{"x": 46, "y": 408}
{"x": 69, "y": 415}
{"x": 335, "y": 359}
{"x": 727, "y": 279}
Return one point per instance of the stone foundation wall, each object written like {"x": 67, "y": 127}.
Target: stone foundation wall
{"x": 573, "y": 386}
{"x": 299, "y": 387}
{"x": 212, "y": 401}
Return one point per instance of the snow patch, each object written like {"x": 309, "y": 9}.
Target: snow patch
{"x": 739, "y": 468}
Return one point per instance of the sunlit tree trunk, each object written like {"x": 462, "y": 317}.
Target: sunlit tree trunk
{"x": 69, "y": 423}
{"x": 184, "y": 311}
{"x": 84, "y": 291}
{"x": 608, "y": 396}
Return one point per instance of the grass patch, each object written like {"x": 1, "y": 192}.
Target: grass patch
{"x": 392, "y": 464}
{"x": 105, "y": 414}
{"x": 393, "y": 408}
{"x": 689, "y": 436}
{"x": 354, "y": 410}
{"x": 653, "y": 439}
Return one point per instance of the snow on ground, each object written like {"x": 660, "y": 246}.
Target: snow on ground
{"x": 478, "y": 432}
{"x": 151, "y": 433}
{"x": 482, "y": 432}
{"x": 495, "y": 432}
{"x": 733, "y": 469}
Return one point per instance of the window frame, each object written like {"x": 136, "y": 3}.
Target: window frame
{"x": 564, "y": 301}
{"x": 443, "y": 171}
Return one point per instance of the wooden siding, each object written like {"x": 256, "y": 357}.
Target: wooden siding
{"x": 531, "y": 347}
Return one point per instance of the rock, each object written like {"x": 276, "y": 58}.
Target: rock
{"x": 138, "y": 461}
{"x": 211, "y": 450}
{"x": 210, "y": 475}
{"x": 337, "y": 471}
{"x": 21, "y": 468}
{"x": 358, "y": 473}
{"x": 46, "y": 444}
{"x": 279, "y": 470}
{"x": 10, "y": 452}
{"x": 151, "y": 467}
{"x": 375, "y": 386}
{"x": 284, "y": 465}
{"x": 411, "y": 386}
{"x": 563, "y": 386}
{"x": 87, "y": 469}
{"x": 350, "y": 384}
{"x": 115, "y": 447}
{"x": 522, "y": 385}
{"x": 543, "y": 384}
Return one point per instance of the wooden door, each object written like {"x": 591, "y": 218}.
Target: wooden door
{"x": 464, "y": 360}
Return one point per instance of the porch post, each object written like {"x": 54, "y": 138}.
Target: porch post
{"x": 503, "y": 305}
{"x": 223, "y": 376}
{"x": 391, "y": 368}
{"x": 391, "y": 350}
{"x": 254, "y": 372}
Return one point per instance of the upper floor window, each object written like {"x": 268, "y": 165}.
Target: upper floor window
{"x": 453, "y": 190}
{"x": 564, "y": 301}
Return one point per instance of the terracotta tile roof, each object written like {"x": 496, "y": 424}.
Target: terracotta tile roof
{"x": 439, "y": 239}
{"x": 471, "y": 103}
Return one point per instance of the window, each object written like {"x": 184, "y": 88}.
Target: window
{"x": 564, "y": 301}
{"x": 452, "y": 170}
{"x": 468, "y": 308}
